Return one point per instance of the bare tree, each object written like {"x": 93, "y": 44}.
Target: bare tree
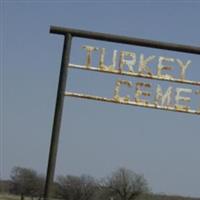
{"x": 40, "y": 186}
{"x": 26, "y": 182}
{"x": 125, "y": 184}
{"x": 76, "y": 188}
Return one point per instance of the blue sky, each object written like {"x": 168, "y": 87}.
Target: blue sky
{"x": 96, "y": 138}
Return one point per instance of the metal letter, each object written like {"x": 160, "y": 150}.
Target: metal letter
{"x": 197, "y": 92}
{"x": 181, "y": 98}
{"x": 102, "y": 65}
{"x": 183, "y": 67}
{"x": 163, "y": 67}
{"x": 130, "y": 63}
{"x": 139, "y": 92}
{"x": 118, "y": 84}
{"x": 143, "y": 68}
{"x": 165, "y": 99}
{"x": 89, "y": 50}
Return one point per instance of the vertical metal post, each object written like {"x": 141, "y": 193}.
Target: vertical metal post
{"x": 57, "y": 116}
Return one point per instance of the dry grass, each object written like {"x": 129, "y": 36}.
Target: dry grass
{"x": 9, "y": 197}
{"x": 165, "y": 197}
{"x": 145, "y": 197}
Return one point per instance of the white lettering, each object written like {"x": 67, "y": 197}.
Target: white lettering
{"x": 143, "y": 68}
{"x": 164, "y": 99}
{"x": 118, "y": 84}
{"x": 183, "y": 67}
{"x": 89, "y": 50}
{"x": 139, "y": 92}
{"x": 179, "y": 98}
{"x": 102, "y": 65}
{"x": 130, "y": 63}
{"x": 162, "y": 67}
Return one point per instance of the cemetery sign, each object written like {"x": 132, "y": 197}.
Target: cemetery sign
{"x": 131, "y": 64}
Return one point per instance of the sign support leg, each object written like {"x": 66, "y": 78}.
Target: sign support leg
{"x": 57, "y": 116}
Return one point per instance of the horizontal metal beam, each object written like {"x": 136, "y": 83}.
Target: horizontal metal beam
{"x": 134, "y": 74}
{"x": 125, "y": 40}
{"x": 132, "y": 103}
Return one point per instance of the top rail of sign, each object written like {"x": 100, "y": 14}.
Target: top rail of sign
{"x": 125, "y": 40}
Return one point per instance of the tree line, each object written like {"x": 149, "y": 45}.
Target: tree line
{"x": 122, "y": 184}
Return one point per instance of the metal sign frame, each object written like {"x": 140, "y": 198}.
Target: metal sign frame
{"x": 68, "y": 34}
